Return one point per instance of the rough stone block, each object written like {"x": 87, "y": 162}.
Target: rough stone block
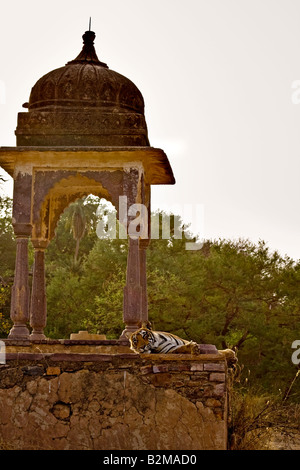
{"x": 219, "y": 390}
{"x": 213, "y": 403}
{"x": 53, "y": 371}
{"x": 217, "y": 377}
{"x": 61, "y": 411}
{"x": 197, "y": 367}
{"x": 161, "y": 380}
{"x": 33, "y": 370}
{"x": 207, "y": 349}
{"x": 160, "y": 368}
{"x": 146, "y": 370}
{"x": 216, "y": 367}
{"x": 178, "y": 367}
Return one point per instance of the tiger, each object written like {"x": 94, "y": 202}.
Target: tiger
{"x": 146, "y": 341}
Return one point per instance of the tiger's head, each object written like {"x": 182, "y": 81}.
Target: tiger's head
{"x": 141, "y": 340}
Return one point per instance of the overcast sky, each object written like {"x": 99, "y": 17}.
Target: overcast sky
{"x": 216, "y": 76}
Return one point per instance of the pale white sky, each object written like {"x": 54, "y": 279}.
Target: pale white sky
{"x": 216, "y": 76}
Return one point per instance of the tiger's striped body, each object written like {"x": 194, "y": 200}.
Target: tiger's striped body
{"x": 147, "y": 341}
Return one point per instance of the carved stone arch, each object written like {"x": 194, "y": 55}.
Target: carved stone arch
{"x": 58, "y": 204}
{"x": 39, "y": 201}
{"x": 54, "y": 191}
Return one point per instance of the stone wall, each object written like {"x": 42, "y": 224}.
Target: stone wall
{"x": 122, "y": 401}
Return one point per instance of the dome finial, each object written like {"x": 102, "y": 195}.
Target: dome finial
{"x": 88, "y": 53}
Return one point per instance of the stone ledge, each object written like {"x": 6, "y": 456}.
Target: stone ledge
{"x": 166, "y": 361}
{"x": 184, "y": 357}
{"x": 204, "y": 348}
{"x": 88, "y": 346}
{"x": 68, "y": 346}
{"x": 71, "y": 357}
{"x": 65, "y": 342}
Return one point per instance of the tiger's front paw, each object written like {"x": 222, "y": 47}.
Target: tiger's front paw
{"x": 195, "y": 350}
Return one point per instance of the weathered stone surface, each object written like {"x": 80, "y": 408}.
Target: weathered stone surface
{"x": 120, "y": 403}
{"x": 33, "y": 370}
{"x": 160, "y": 368}
{"x": 85, "y": 335}
{"x": 38, "y": 304}
{"x": 61, "y": 411}
{"x": 146, "y": 370}
{"x": 213, "y": 403}
{"x": 219, "y": 390}
{"x": 20, "y": 291}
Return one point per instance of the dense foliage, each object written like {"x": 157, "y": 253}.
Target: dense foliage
{"x": 228, "y": 293}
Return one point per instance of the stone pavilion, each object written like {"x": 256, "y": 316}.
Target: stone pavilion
{"x": 83, "y": 132}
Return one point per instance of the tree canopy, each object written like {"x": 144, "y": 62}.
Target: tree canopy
{"x": 231, "y": 293}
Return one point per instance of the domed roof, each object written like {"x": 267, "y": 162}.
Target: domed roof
{"x": 83, "y": 103}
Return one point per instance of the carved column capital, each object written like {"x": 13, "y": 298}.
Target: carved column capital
{"x": 39, "y": 244}
{"x": 22, "y": 230}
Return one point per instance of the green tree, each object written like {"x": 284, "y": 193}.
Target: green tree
{"x": 75, "y": 287}
{"x": 228, "y": 293}
{"x": 7, "y": 238}
{"x": 66, "y": 304}
{"x": 105, "y": 315}
{"x": 7, "y": 263}
{"x": 5, "y": 322}
{"x": 75, "y": 234}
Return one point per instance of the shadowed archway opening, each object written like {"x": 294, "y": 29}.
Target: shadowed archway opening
{"x": 76, "y": 229}
{"x": 85, "y": 286}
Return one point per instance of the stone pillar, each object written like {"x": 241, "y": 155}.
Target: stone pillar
{"x": 20, "y": 290}
{"x": 132, "y": 304}
{"x": 143, "y": 244}
{"x": 143, "y": 279}
{"x": 38, "y": 307}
